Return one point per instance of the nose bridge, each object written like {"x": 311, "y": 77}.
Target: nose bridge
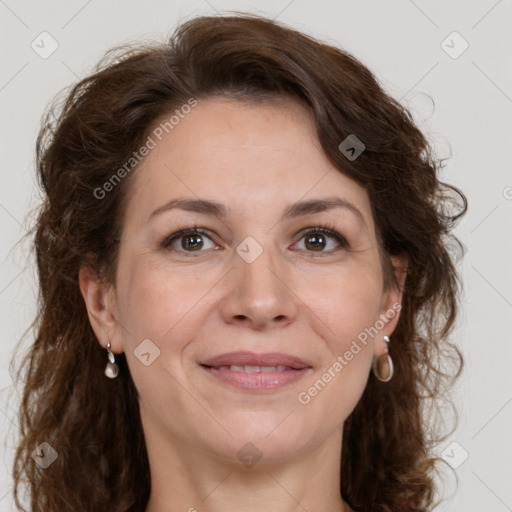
{"x": 256, "y": 268}
{"x": 259, "y": 291}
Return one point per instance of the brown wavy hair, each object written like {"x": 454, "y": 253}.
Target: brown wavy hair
{"x": 93, "y": 422}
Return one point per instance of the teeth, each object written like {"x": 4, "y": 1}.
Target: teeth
{"x": 253, "y": 369}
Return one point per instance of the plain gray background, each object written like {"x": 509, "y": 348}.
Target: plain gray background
{"x": 402, "y": 42}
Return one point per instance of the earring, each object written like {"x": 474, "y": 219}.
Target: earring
{"x": 111, "y": 370}
{"x": 376, "y": 362}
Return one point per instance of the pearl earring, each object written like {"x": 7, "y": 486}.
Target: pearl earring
{"x": 111, "y": 370}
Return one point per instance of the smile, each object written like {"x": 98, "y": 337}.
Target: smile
{"x": 254, "y": 369}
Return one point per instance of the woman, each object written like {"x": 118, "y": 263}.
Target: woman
{"x": 245, "y": 287}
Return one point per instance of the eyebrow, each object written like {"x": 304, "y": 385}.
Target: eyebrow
{"x": 299, "y": 209}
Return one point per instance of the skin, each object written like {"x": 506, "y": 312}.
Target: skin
{"x": 256, "y": 159}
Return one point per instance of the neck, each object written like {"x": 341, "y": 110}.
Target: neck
{"x": 189, "y": 479}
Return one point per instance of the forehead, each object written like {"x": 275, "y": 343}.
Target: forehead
{"x": 255, "y": 156}
{"x": 223, "y": 125}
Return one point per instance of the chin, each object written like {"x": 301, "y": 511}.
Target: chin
{"x": 265, "y": 441}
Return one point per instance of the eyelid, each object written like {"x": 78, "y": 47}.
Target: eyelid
{"x": 328, "y": 231}
{"x": 322, "y": 228}
{"x": 176, "y": 235}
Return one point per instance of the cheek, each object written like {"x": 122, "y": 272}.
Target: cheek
{"x": 153, "y": 301}
{"x": 164, "y": 307}
{"x": 349, "y": 307}
{"x": 347, "y": 301}
{"x": 156, "y": 305}
{"x": 339, "y": 383}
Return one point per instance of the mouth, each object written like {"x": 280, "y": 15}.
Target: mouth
{"x": 253, "y": 368}
{"x": 256, "y": 372}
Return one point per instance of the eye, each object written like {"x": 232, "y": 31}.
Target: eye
{"x": 317, "y": 239}
{"x": 188, "y": 240}
{"x": 195, "y": 239}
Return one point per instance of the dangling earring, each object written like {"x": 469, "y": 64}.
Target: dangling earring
{"x": 111, "y": 370}
{"x": 389, "y": 362}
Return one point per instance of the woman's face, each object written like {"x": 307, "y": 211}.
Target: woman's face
{"x": 247, "y": 337}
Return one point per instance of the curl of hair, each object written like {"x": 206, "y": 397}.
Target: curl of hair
{"x": 94, "y": 422}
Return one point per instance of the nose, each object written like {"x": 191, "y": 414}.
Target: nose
{"x": 260, "y": 294}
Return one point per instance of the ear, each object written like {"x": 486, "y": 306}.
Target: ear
{"x": 100, "y": 302}
{"x": 391, "y": 304}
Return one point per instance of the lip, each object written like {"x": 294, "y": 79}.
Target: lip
{"x": 254, "y": 359}
{"x": 292, "y": 369}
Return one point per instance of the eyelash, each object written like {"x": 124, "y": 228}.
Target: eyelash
{"x": 322, "y": 228}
